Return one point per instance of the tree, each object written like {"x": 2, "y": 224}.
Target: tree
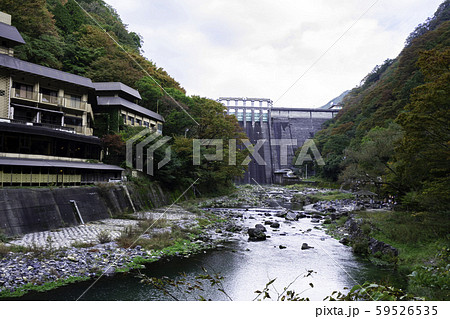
{"x": 424, "y": 153}
{"x": 369, "y": 162}
{"x": 30, "y": 17}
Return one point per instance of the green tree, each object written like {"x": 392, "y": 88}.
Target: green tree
{"x": 424, "y": 153}
{"x": 369, "y": 162}
{"x": 31, "y": 17}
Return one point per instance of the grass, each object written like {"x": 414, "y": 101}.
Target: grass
{"x": 418, "y": 236}
{"x": 421, "y": 239}
{"x": 4, "y": 250}
{"x": 327, "y": 196}
{"x": 333, "y": 195}
{"x": 333, "y": 226}
{"x": 20, "y": 291}
{"x": 153, "y": 223}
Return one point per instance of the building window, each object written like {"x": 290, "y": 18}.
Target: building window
{"x": 73, "y": 121}
{"x": 124, "y": 119}
{"x": 24, "y": 91}
{"x": 51, "y": 118}
{"x": 131, "y": 120}
{"x": 74, "y": 101}
{"x": 139, "y": 122}
{"x": 49, "y": 96}
{"x": 146, "y": 124}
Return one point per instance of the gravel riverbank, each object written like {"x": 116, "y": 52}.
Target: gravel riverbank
{"x": 53, "y": 258}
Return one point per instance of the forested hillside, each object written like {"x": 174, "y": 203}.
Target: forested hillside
{"x": 60, "y": 34}
{"x": 392, "y": 134}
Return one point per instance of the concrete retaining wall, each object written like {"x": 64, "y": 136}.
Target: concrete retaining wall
{"x": 27, "y": 210}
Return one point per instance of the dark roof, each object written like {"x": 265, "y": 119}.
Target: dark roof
{"x": 60, "y": 164}
{"x": 110, "y": 100}
{"x": 46, "y": 131}
{"x": 116, "y": 86}
{"x": 19, "y": 65}
{"x": 10, "y": 33}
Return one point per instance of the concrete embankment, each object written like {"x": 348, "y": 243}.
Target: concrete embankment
{"x": 27, "y": 210}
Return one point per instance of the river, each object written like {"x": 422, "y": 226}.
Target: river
{"x": 247, "y": 267}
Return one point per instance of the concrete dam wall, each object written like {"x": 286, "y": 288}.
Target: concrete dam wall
{"x": 273, "y": 125}
{"x": 27, "y": 210}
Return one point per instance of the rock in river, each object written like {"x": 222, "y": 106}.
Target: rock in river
{"x": 291, "y": 216}
{"x": 275, "y": 225}
{"x": 256, "y": 234}
{"x": 306, "y": 246}
{"x": 261, "y": 227}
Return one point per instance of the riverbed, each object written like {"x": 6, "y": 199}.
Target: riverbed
{"x": 247, "y": 266}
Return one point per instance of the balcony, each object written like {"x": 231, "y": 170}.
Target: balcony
{"x": 34, "y": 96}
{"x": 25, "y": 94}
{"x": 50, "y": 99}
{"x": 74, "y": 104}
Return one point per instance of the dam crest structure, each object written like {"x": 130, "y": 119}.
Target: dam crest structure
{"x": 260, "y": 120}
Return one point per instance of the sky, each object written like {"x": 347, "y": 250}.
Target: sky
{"x": 299, "y": 53}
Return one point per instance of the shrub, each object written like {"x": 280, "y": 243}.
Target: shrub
{"x": 360, "y": 246}
{"x": 127, "y": 238}
{"x": 375, "y": 292}
{"x": 366, "y": 229}
{"x": 4, "y": 250}
{"x": 104, "y": 237}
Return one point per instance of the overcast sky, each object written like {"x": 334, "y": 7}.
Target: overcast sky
{"x": 260, "y": 48}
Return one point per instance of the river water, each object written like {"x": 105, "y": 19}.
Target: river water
{"x": 247, "y": 267}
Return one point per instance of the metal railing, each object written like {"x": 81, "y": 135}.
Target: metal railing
{"x": 49, "y": 99}
{"x": 24, "y": 94}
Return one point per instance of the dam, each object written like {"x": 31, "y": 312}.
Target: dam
{"x": 269, "y": 125}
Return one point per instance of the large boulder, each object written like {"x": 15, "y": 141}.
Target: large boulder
{"x": 376, "y": 246}
{"x": 291, "y": 216}
{"x": 233, "y": 228}
{"x": 306, "y": 246}
{"x": 256, "y": 234}
{"x": 260, "y": 227}
{"x": 281, "y": 214}
{"x": 275, "y": 225}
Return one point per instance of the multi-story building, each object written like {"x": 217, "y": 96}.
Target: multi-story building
{"x": 46, "y": 122}
{"x": 116, "y": 104}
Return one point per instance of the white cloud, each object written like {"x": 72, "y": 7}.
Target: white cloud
{"x": 259, "y": 48}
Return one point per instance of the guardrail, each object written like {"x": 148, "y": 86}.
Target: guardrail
{"x": 49, "y": 99}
